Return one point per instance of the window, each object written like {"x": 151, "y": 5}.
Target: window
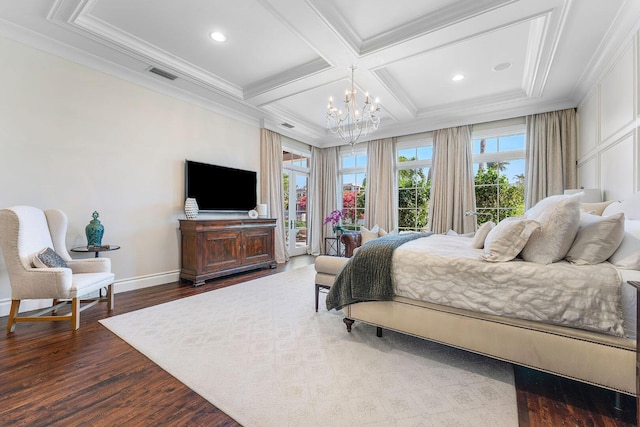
{"x": 294, "y": 159}
{"x": 353, "y": 182}
{"x": 414, "y": 157}
{"x": 498, "y": 166}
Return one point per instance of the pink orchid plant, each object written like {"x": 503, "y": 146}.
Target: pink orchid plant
{"x": 334, "y": 218}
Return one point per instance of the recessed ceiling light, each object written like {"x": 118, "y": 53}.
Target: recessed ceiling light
{"x": 501, "y": 67}
{"x": 457, "y": 77}
{"x": 218, "y": 36}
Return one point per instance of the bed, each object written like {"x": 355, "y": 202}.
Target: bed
{"x": 591, "y": 339}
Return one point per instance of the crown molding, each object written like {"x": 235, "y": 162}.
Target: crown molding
{"x": 443, "y": 17}
{"x": 396, "y": 91}
{"x": 292, "y": 75}
{"x": 621, "y": 32}
{"x": 337, "y": 24}
{"x": 81, "y": 21}
{"x": 538, "y": 81}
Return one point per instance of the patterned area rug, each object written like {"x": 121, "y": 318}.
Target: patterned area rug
{"x": 259, "y": 352}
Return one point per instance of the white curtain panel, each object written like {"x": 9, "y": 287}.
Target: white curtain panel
{"x": 452, "y": 183}
{"x": 380, "y": 206}
{"x": 324, "y": 195}
{"x": 551, "y": 154}
{"x": 271, "y": 187}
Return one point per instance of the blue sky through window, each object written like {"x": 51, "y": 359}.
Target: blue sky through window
{"x": 504, "y": 144}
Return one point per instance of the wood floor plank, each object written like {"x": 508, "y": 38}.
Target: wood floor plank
{"x": 52, "y": 376}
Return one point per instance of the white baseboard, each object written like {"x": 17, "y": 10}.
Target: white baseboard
{"x": 125, "y": 285}
{"x": 26, "y": 305}
{"x": 147, "y": 281}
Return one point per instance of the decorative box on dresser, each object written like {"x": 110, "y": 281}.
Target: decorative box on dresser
{"x": 218, "y": 247}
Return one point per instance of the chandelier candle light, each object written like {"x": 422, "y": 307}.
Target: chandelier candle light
{"x": 354, "y": 122}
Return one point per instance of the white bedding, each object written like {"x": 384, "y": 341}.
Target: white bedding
{"x": 447, "y": 270}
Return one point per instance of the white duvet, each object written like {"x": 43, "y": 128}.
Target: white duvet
{"x": 447, "y": 270}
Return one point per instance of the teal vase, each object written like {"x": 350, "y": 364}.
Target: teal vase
{"x": 94, "y": 231}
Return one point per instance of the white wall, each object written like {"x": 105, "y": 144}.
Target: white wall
{"x": 609, "y": 124}
{"x": 80, "y": 140}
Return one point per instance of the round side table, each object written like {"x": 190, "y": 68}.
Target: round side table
{"x": 95, "y": 249}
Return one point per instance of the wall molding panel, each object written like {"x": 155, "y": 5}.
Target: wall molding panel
{"x": 609, "y": 125}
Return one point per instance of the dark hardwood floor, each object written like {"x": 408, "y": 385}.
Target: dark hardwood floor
{"x": 52, "y": 376}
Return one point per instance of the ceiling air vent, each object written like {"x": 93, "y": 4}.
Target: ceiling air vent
{"x": 162, "y": 73}
{"x": 287, "y": 125}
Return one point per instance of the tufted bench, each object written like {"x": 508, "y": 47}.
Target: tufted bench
{"x": 327, "y": 268}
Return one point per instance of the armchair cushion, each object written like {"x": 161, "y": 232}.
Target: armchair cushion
{"x": 90, "y": 265}
{"x": 48, "y": 258}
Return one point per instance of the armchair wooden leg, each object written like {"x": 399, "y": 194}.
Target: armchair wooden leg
{"x": 110, "y": 298}
{"x": 55, "y": 302}
{"x": 75, "y": 313}
{"x": 13, "y": 313}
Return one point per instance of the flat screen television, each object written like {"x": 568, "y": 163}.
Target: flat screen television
{"x": 219, "y": 188}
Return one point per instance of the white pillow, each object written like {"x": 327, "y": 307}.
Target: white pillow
{"x": 558, "y": 217}
{"x": 631, "y": 206}
{"x": 627, "y": 256}
{"x": 481, "y": 234}
{"x": 612, "y": 209}
{"x": 455, "y": 233}
{"x": 374, "y": 233}
{"x": 597, "y": 239}
{"x": 382, "y": 232}
{"x": 632, "y": 226}
{"x": 367, "y": 234}
{"x": 505, "y": 241}
{"x": 595, "y": 208}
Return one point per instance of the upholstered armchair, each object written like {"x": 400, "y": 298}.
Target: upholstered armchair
{"x": 25, "y": 232}
{"x": 351, "y": 241}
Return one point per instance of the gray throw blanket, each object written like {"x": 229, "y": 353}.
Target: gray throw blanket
{"x": 367, "y": 275}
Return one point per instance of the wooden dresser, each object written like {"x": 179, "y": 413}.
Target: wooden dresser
{"x": 218, "y": 247}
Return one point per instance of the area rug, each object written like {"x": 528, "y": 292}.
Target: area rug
{"x": 260, "y": 353}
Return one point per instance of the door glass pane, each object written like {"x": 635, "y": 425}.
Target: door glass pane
{"x": 301, "y": 211}
{"x": 285, "y": 181}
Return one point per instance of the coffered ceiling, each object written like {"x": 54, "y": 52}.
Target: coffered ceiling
{"x": 284, "y": 58}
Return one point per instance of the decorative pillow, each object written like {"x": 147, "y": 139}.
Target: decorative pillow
{"x": 505, "y": 241}
{"x": 597, "y": 239}
{"x": 631, "y": 206}
{"x": 594, "y": 208}
{"x": 367, "y": 234}
{"x": 455, "y": 233}
{"x": 481, "y": 234}
{"x": 558, "y": 217}
{"x": 632, "y": 227}
{"x": 48, "y": 258}
{"x": 627, "y": 256}
{"x": 374, "y": 233}
{"x": 612, "y": 209}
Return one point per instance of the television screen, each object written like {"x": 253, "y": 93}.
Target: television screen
{"x": 219, "y": 188}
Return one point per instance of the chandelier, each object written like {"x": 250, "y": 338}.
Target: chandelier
{"x": 354, "y": 122}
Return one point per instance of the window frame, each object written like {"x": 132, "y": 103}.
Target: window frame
{"x": 498, "y": 130}
{"x": 348, "y": 151}
{"x": 410, "y": 141}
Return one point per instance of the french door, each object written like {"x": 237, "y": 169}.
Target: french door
{"x": 296, "y": 186}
